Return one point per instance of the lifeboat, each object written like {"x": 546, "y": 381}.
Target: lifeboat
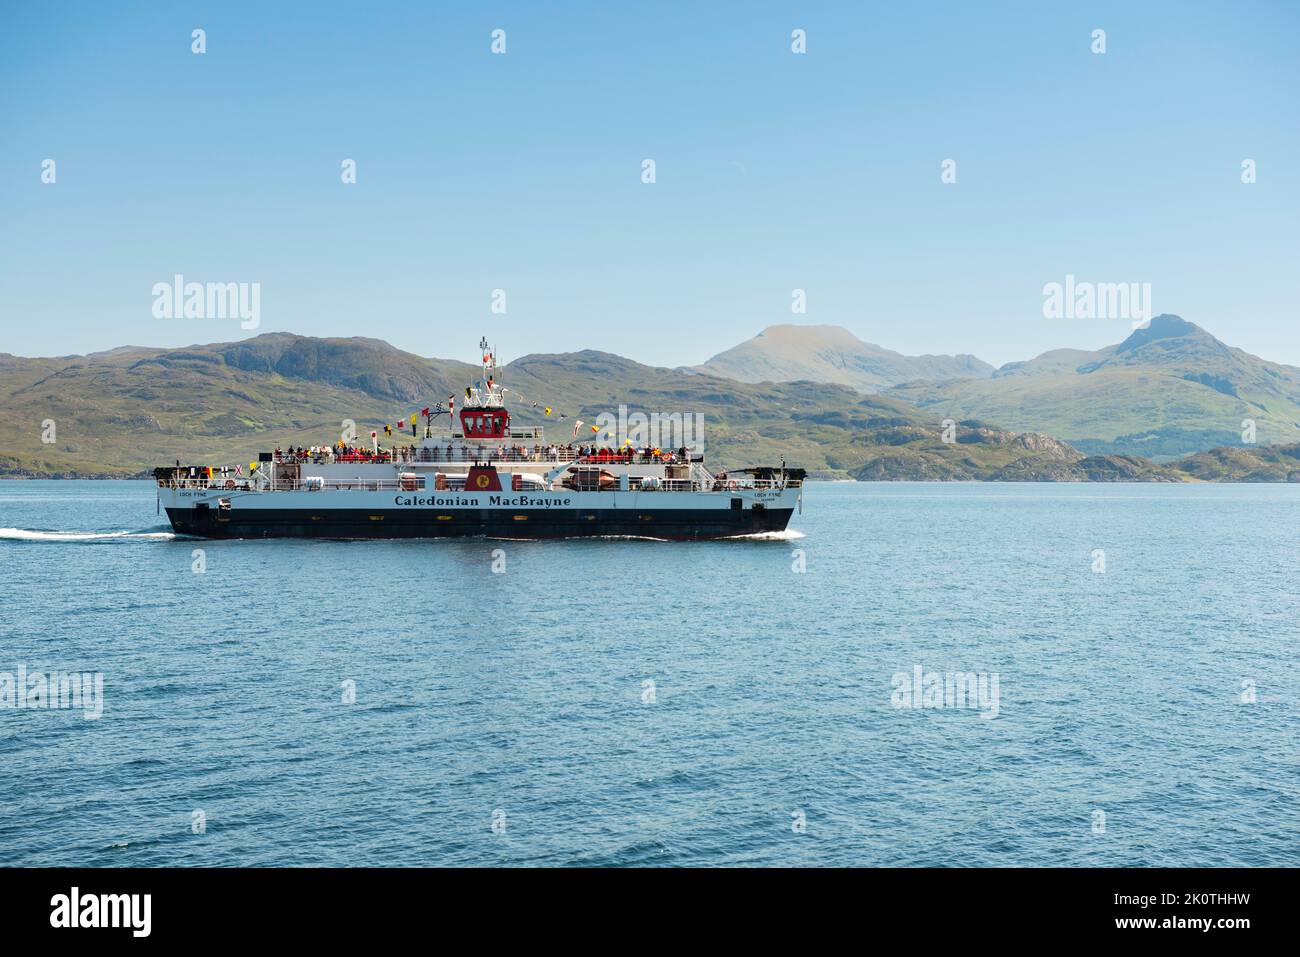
{"x": 590, "y": 480}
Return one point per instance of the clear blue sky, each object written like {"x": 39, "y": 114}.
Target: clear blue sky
{"x": 522, "y": 171}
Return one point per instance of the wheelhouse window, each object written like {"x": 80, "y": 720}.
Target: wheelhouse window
{"x": 485, "y": 425}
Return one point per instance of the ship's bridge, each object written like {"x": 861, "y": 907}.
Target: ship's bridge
{"x": 485, "y": 424}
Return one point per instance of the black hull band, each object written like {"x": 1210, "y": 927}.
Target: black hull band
{"x": 487, "y": 523}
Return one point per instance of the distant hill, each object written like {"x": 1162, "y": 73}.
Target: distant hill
{"x": 1166, "y": 391}
{"x": 121, "y": 412}
{"x": 789, "y": 353}
{"x": 1270, "y": 463}
{"x": 118, "y": 412}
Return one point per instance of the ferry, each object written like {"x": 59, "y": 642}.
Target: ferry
{"x": 482, "y": 477}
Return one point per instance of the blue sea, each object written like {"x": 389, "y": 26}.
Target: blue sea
{"x": 653, "y": 703}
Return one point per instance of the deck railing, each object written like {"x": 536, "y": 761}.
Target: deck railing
{"x": 458, "y": 455}
{"x": 699, "y": 481}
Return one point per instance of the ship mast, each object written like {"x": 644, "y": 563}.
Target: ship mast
{"x": 486, "y": 393}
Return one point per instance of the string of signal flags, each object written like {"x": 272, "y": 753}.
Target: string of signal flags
{"x": 549, "y": 410}
{"x": 428, "y": 413}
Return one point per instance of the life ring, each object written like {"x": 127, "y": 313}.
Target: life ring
{"x": 733, "y": 485}
{"x": 482, "y": 481}
{"x": 230, "y": 483}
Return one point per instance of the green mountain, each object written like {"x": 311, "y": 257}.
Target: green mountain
{"x": 122, "y": 412}
{"x": 1166, "y": 391}
{"x": 789, "y": 353}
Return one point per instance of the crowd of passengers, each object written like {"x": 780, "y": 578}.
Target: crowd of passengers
{"x": 342, "y": 452}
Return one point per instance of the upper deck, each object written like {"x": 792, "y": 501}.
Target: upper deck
{"x": 513, "y": 469}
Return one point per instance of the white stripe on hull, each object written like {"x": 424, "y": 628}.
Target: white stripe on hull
{"x": 351, "y": 499}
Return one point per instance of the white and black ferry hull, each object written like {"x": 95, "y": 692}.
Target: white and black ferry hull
{"x": 358, "y": 514}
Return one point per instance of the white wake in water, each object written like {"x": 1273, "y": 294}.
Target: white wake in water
{"x": 32, "y": 535}
{"x": 788, "y": 535}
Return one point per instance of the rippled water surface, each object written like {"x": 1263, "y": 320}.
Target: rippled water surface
{"x": 524, "y": 695}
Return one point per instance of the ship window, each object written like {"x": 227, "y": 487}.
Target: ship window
{"x": 735, "y": 504}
